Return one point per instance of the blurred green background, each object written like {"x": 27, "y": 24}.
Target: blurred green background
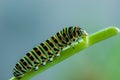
{"x": 26, "y": 23}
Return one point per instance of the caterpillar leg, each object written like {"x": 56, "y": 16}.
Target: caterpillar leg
{"x": 57, "y": 52}
{"x": 50, "y": 56}
{"x": 44, "y": 60}
{"x": 50, "y": 59}
{"x": 36, "y": 68}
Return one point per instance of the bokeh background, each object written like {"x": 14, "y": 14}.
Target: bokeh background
{"x": 26, "y": 23}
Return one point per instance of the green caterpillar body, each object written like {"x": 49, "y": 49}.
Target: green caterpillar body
{"x": 47, "y": 50}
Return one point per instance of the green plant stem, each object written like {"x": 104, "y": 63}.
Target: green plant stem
{"x": 92, "y": 39}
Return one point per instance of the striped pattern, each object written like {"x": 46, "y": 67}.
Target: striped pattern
{"x": 47, "y": 50}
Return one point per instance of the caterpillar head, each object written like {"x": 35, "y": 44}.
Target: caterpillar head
{"x": 81, "y": 32}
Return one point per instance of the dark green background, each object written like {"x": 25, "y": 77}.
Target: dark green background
{"x": 26, "y": 23}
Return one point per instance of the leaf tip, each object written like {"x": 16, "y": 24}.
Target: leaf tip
{"x": 115, "y": 28}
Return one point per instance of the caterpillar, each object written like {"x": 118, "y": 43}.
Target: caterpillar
{"x": 47, "y": 50}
